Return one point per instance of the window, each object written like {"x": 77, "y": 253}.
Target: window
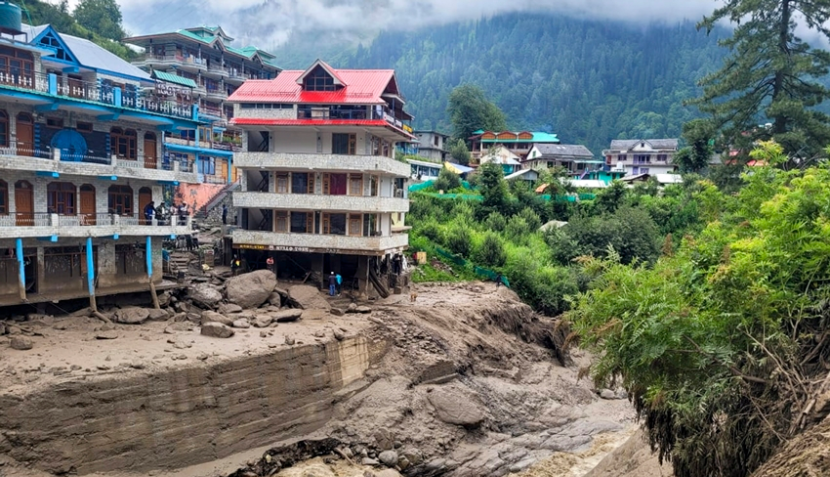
{"x": 662, "y": 157}
{"x": 302, "y": 222}
{"x": 282, "y": 183}
{"x": 130, "y": 259}
{"x": 355, "y": 224}
{"x": 334, "y": 224}
{"x": 622, "y": 158}
{"x": 120, "y": 200}
{"x": 635, "y": 171}
{"x": 123, "y": 143}
{"x": 319, "y": 80}
{"x": 82, "y": 126}
{"x": 374, "y": 188}
{"x": 4, "y": 198}
{"x": 56, "y": 123}
{"x": 370, "y": 222}
{"x": 61, "y": 198}
{"x": 281, "y": 222}
{"x": 644, "y": 170}
{"x": 207, "y": 165}
{"x": 17, "y": 64}
{"x": 4, "y": 129}
{"x": 356, "y": 184}
{"x": 344, "y": 144}
{"x": 334, "y": 184}
{"x": 642, "y": 159}
{"x": 302, "y": 183}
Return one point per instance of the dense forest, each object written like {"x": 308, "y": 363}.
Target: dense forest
{"x": 587, "y": 81}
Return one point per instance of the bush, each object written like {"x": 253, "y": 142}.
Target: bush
{"x": 446, "y": 181}
{"x": 491, "y": 252}
{"x": 459, "y": 240}
{"x": 517, "y": 229}
{"x": 495, "y": 222}
{"x": 631, "y": 232}
{"x": 531, "y": 218}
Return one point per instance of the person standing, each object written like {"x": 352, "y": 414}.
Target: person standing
{"x": 149, "y": 212}
{"x": 339, "y": 283}
{"x": 224, "y": 214}
{"x": 270, "y": 265}
{"x": 332, "y": 284}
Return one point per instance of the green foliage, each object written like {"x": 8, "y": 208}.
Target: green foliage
{"x": 470, "y": 110}
{"x": 493, "y": 188}
{"x": 721, "y": 344}
{"x": 699, "y": 135}
{"x": 610, "y": 198}
{"x": 495, "y": 222}
{"x": 771, "y": 73}
{"x": 447, "y": 180}
{"x": 459, "y": 152}
{"x": 458, "y": 240}
{"x": 491, "y": 251}
{"x": 100, "y": 16}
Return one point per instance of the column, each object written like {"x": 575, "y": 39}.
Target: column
{"x": 90, "y": 273}
{"x": 21, "y": 268}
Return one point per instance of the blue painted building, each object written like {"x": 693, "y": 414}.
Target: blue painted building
{"x": 82, "y": 155}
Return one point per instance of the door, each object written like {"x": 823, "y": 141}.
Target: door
{"x": 87, "y": 205}
{"x": 24, "y": 204}
{"x": 150, "y": 155}
{"x": 145, "y": 196}
{"x": 25, "y": 135}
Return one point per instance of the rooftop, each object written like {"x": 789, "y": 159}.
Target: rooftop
{"x": 628, "y": 144}
{"x": 564, "y": 150}
{"x": 516, "y": 137}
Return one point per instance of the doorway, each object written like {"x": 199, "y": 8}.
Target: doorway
{"x": 150, "y": 155}
{"x": 87, "y": 203}
{"x": 25, "y": 135}
{"x": 24, "y": 204}
{"x": 145, "y": 196}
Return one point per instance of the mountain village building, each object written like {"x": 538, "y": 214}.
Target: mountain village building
{"x": 518, "y": 143}
{"x": 641, "y": 156}
{"x": 81, "y": 155}
{"x": 320, "y": 189}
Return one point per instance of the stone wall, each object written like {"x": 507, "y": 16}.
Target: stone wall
{"x": 180, "y": 417}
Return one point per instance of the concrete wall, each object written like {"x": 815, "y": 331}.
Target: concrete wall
{"x": 331, "y": 243}
{"x": 343, "y": 203}
{"x": 185, "y": 416}
{"x": 320, "y": 162}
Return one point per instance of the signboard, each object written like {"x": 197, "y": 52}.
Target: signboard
{"x": 168, "y": 89}
{"x": 407, "y": 128}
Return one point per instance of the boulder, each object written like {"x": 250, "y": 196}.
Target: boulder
{"x": 337, "y": 311}
{"x": 263, "y": 321}
{"x": 607, "y": 394}
{"x": 106, "y": 335}
{"x": 213, "y": 317}
{"x": 217, "y": 330}
{"x": 287, "y": 316}
{"x": 241, "y": 324}
{"x": 158, "y": 315}
{"x": 389, "y": 458}
{"x": 229, "y": 308}
{"x": 352, "y": 308}
{"x": 455, "y": 407}
{"x": 204, "y": 295}
{"x": 21, "y": 343}
{"x": 251, "y": 289}
{"x": 275, "y": 299}
{"x": 307, "y": 297}
{"x": 131, "y": 315}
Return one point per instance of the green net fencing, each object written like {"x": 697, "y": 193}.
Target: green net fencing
{"x": 482, "y": 272}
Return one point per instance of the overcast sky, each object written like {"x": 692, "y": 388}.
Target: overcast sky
{"x": 268, "y": 22}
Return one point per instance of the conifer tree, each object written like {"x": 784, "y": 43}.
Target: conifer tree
{"x": 770, "y": 76}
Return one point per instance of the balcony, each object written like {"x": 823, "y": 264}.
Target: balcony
{"x": 48, "y": 87}
{"x": 320, "y": 162}
{"x": 41, "y": 224}
{"x": 236, "y": 76}
{"x": 217, "y": 71}
{"x": 151, "y": 169}
{"x": 186, "y": 62}
{"x": 339, "y": 203}
{"x": 215, "y": 94}
{"x": 314, "y": 243}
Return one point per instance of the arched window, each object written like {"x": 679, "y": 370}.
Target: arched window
{"x": 123, "y": 143}
{"x": 120, "y": 200}
{"x": 25, "y": 118}
{"x": 4, "y": 129}
{"x": 4, "y": 198}
{"x": 61, "y": 198}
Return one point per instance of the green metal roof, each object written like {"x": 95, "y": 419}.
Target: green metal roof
{"x": 171, "y": 78}
{"x": 247, "y": 52}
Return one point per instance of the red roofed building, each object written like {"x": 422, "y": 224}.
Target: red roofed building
{"x": 320, "y": 189}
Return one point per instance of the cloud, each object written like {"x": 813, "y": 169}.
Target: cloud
{"x": 270, "y": 22}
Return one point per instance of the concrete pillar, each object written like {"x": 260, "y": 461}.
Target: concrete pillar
{"x": 363, "y": 275}
{"x": 21, "y": 264}
{"x": 90, "y": 274}
{"x": 317, "y": 262}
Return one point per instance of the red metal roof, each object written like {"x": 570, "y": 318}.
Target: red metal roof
{"x": 362, "y": 87}
{"x": 319, "y": 122}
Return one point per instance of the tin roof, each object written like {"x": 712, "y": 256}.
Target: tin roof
{"x": 171, "y": 78}
{"x": 360, "y": 87}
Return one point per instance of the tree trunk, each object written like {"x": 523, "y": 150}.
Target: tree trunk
{"x": 780, "y": 124}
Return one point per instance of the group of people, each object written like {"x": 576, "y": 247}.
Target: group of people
{"x": 164, "y": 214}
{"x": 335, "y": 284}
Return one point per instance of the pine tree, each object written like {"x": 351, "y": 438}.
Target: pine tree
{"x": 770, "y": 75}
{"x": 470, "y": 110}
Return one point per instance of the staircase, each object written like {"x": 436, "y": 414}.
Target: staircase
{"x": 180, "y": 262}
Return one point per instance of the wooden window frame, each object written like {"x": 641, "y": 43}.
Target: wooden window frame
{"x": 126, "y": 139}
{"x": 350, "y": 219}
{"x": 54, "y": 123}
{"x": 359, "y": 191}
{"x": 62, "y": 198}
{"x": 4, "y": 197}
{"x": 5, "y": 133}
{"x": 282, "y": 176}
{"x": 285, "y": 217}
{"x": 120, "y": 191}
{"x": 84, "y": 126}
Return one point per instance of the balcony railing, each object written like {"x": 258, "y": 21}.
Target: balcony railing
{"x": 141, "y": 162}
{"x": 48, "y": 219}
{"x": 98, "y": 93}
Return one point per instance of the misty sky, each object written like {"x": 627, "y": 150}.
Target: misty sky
{"x": 269, "y": 22}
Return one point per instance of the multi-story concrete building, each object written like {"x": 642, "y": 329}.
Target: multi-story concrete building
{"x": 81, "y": 155}
{"x": 576, "y": 159}
{"x": 320, "y": 187}
{"x": 641, "y": 156}
{"x": 518, "y": 143}
{"x": 203, "y": 61}
{"x": 433, "y": 145}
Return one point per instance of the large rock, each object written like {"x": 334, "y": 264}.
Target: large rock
{"x": 242, "y": 324}
{"x": 275, "y": 299}
{"x": 307, "y": 297}
{"x": 21, "y": 343}
{"x": 287, "y": 316}
{"x": 217, "y": 330}
{"x": 213, "y": 317}
{"x": 229, "y": 308}
{"x": 131, "y": 315}
{"x": 455, "y": 407}
{"x": 158, "y": 315}
{"x": 389, "y": 458}
{"x": 263, "y": 321}
{"x": 251, "y": 289}
{"x": 204, "y": 295}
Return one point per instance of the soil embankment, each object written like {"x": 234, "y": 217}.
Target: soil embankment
{"x": 467, "y": 381}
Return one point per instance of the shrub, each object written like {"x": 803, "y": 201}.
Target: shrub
{"x": 458, "y": 239}
{"x": 495, "y": 222}
{"x": 531, "y": 218}
{"x": 491, "y": 251}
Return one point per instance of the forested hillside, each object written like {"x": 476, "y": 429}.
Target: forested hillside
{"x": 587, "y": 81}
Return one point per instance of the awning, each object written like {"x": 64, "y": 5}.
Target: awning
{"x": 171, "y": 78}
{"x": 204, "y": 151}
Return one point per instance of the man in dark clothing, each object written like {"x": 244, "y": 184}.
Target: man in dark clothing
{"x": 498, "y": 280}
{"x": 224, "y": 214}
{"x": 332, "y": 284}
{"x": 149, "y": 212}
